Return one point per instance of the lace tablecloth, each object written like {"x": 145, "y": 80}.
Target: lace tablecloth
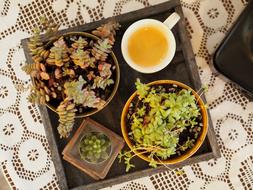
{"x": 24, "y": 151}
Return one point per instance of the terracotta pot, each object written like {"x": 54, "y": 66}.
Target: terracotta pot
{"x": 186, "y": 154}
{"x": 116, "y": 82}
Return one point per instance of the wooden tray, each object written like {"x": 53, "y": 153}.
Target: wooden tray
{"x": 183, "y": 68}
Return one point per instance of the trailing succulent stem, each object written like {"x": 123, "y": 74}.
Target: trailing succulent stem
{"x": 66, "y": 111}
{"x": 36, "y": 44}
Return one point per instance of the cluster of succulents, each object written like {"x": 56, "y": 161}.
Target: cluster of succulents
{"x": 95, "y": 147}
{"x": 71, "y": 72}
{"x": 164, "y": 121}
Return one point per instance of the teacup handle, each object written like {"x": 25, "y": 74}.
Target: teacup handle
{"x": 172, "y": 20}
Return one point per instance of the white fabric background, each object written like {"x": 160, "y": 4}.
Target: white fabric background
{"x": 24, "y": 152}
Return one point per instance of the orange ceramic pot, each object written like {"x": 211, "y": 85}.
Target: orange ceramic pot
{"x": 188, "y": 153}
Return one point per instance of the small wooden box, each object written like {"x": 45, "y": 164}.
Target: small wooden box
{"x": 71, "y": 150}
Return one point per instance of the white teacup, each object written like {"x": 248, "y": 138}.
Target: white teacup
{"x": 165, "y": 27}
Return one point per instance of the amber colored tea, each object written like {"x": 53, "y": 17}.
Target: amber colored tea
{"x": 148, "y": 46}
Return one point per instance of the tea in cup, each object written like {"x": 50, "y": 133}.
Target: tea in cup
{"x": 148, "y": 45}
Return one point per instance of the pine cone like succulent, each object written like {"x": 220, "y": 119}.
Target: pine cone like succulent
{"x": 41, "y": 93}
{"x": 36, "y": 70}
{"x": 38, "y": 95}
{"x": 101, "y": 49}
{"x": 36, "y": 47}
{"x": 32, "y": 69}
{"x": 82, "y": 58}
{"x": 104, "y": 69}
{"x": 68, "y": 72}
{"x": 66, "y": 111}
{"x": 90, "y": 100}
{"x": 58, "y": 53}
{"x": 74, "y": 90}
{"x": 79, "y": 44}
{"x": 49, "y": 26}
{"x": 58, "y": 73}
{"x": 100, "y": 82}
{"x": 107, "y": 30}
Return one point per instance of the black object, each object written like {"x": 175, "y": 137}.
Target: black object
{"x": 234, "y": 57}
{"x": 183, "y": 68}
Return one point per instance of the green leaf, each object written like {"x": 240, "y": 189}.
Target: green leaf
{"x": 142, "y": 89}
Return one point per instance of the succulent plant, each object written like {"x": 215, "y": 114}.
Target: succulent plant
{"x": 32, "y": 69}
{"x": 95, "y": 147}
{"x": 82, "y": 58}
{"x": 74, "y": 90}
{"x": 91, "y": 100}
{"x": 101, "y": 49}
{"x": 49, "y": 26}
{"x": 100, "y": 82}
{"x": 104, "y": 69}
{"x": 38, "y": 96}
{"x": 66, "y": 111}
{"x": 36, "y": 45}
{"x": 58, "y": 53}
{"x": 108, "y": 31}
{"x": 81, "y": 43}
{"x": 40, "y": 93}
{"x": 60, "y": 65}
{"x": 158, "y": 119}
{"x": 68, "y": 72}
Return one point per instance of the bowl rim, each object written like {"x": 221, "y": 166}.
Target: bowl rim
{"x": 116, "y": 83}
{"x": 188, "y": 153}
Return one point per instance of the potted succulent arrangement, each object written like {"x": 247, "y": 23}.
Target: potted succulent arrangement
{"x": 75, "y": 74}
{"x": 95, "y": 147}
{"x": 163, "y": 122}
